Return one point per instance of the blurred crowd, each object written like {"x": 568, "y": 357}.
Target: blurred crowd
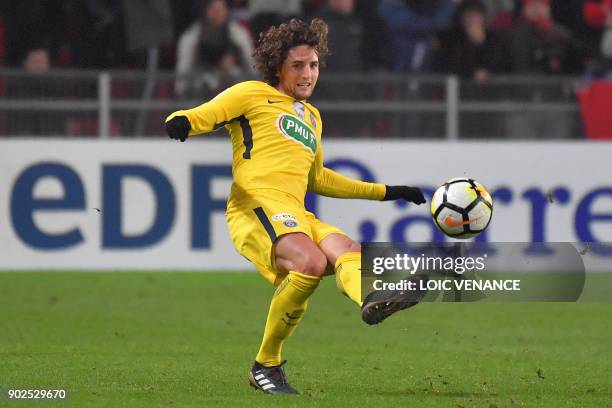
{"x": 472, "y": 38}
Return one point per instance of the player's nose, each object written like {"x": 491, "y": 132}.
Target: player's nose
{"x": 306, "y": 72}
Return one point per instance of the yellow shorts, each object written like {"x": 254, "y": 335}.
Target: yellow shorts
{"x": 256, "y": 221}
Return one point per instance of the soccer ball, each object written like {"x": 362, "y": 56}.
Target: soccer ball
{"x": 462, "y": 208}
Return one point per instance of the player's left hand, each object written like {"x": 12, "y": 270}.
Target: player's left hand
{"x": 411, "y": 194}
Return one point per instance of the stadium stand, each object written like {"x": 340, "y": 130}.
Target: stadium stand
{"x": 92, "y": 84}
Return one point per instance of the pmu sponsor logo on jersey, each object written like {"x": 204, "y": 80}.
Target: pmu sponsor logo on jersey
{"x": 296, "y": 129}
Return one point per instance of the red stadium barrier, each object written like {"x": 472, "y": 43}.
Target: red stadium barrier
{"x": 596, "y": 107}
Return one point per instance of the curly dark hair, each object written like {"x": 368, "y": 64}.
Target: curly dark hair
{"x": 274, "y": 45}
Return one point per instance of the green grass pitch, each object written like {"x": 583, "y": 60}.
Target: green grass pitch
{"x": 143, "y": 339}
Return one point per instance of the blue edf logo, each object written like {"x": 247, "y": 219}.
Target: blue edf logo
{"x": 23, "y": 207}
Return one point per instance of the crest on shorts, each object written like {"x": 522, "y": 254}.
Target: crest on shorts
{"x": 283, "y": 217}
{"x": 289, "y": 220}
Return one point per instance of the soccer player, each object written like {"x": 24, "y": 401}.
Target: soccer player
{"x": 277, "y": 158}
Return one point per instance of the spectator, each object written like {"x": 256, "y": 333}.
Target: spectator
{"x": 495, "y": 7}
{"x": 594, "y": 12}
{"x": 538, "y": 44}
{"x": 602, "y": 67}
{"x": 29, "y": 24}
{"x": 470, "y": 50}
{"x": 37, "y": 60}
{"x": 92, "y": 33}
{"x": 345, "y": 36}
{"x": 266, "y": 13}
{"x": 411, "y": 25}
{"x": 595, "y": 16}
{"x": 501, "y": 14}
{"x": 215, "y": 44}
{"x": 33, "y": 86}
{"x": 585, "y": 39}
{"x": 606, "y": 40}
{"x": 375, "y": 43}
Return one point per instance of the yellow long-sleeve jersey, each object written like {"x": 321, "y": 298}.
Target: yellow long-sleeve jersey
{"x": 276, "y": 143}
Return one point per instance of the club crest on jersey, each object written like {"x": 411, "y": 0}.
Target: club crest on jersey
{"x": 298, "y": 107}
{"x": 313, "y": 120}
{"x": 296, "y": 129}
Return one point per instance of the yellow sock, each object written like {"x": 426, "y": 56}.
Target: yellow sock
{"x": 286, "y": 309}
{"x": 348, "y": 275}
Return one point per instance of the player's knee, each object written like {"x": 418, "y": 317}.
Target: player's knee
{"x": 314, "y": 264}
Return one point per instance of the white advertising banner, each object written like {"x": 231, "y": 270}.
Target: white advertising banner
{"x": 135, "y": 204}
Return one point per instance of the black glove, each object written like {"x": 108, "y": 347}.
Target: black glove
{"x": 178, "y": 128}
{"x": 412, "y": 194}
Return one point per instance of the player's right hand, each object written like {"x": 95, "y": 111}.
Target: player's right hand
{"x": 178, "y": 128}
